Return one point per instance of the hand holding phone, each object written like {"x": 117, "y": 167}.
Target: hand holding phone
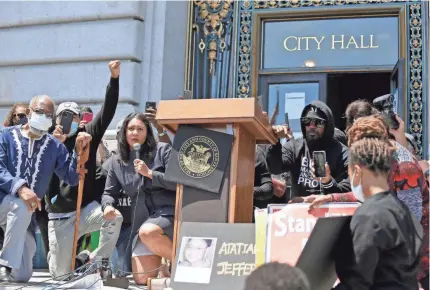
{"x": 87, "y": 117}
{"x": 66, "y": 120}
{"x": 319, "y": 160}
{"x": 152, "y": 105}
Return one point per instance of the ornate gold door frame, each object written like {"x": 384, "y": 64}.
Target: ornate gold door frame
{"x": 248, "y": 13}
{"x": 220, "y": 37}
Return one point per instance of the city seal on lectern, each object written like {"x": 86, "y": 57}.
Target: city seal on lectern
{"x": 198, "y": 156}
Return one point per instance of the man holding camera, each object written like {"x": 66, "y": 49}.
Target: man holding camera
{"x": 297, "y": 156}
{"x": 29, "y": 156}
{"x": 61, "y": 198}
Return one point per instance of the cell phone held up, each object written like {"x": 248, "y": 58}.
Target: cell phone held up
{"x": 152, "y": 105}
{"x": 87, "y": 117}
{"x": 385, "y": 105}
{"x": 319, "y": 160}
{"x": 66, "y": 120}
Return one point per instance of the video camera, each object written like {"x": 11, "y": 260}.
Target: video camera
{"x": 385, "y": 105}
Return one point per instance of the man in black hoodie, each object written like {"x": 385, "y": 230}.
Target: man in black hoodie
{"x": 296, "y": 156}
{"x": 61, "y": 198}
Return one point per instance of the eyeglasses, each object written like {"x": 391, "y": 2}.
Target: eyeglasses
{"x": 20, "y": 116}
{"x": 42, "y": 112}
{"x": 316, "y": 122}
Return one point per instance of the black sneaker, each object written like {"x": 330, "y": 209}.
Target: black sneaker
{"x": 82, "y": 259}
{"x": 5, "y": 274}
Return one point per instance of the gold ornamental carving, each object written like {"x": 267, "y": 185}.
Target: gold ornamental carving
{"x": 212, "y": 14}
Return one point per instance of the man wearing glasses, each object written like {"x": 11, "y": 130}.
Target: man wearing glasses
{"x": 296, "y": 157}
{"x": 28, "y": 159}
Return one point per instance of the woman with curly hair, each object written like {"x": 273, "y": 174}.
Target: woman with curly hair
{"x": 380, "y": 249}
{"x": 17, "y": 115}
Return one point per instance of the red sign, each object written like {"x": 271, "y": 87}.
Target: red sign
{"x": 289, "y": 227}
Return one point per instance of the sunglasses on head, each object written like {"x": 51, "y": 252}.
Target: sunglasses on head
{"x": 20, "y": 116}
{"x": 317, "y": 122}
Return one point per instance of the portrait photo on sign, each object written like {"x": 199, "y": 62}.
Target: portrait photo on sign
{"x": 195, "y": 260}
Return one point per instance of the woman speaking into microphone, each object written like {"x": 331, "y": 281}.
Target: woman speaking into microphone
{"x": 138, "y": 170}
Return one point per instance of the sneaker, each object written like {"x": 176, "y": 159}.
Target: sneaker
{"x": 5, "y": 274}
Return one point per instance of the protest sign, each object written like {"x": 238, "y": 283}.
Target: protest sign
{"x": 213, "y": 256}
{"x": 289, "y": 227}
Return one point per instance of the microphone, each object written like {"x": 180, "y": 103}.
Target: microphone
{"x": 136, "y": 149}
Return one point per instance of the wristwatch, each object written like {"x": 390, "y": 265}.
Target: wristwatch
{"x": 162, "y": 133}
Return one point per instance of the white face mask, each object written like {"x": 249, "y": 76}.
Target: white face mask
{"x": 40, "y": 122}
{"x": 357, "y": 190}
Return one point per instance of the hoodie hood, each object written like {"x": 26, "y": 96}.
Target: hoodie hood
{"x": 327, "y": 115}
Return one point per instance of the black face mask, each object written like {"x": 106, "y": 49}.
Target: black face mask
{"x": 21, "y": 121}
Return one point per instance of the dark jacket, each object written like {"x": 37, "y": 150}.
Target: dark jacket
{"x": 156, "y": 195}
{"x": 65, "y": 195}
{"x": 123, "y": 202}
{"x": 295, "y": 156}
{"x": 263, "y": 186}
{"x": 380, "y": 249}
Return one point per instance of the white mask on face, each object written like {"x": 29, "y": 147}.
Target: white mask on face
{"x": 357, "y": 190}
{"x": 40, "y": 122}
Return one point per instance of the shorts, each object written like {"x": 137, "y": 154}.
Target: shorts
{"x": 164, "y": 222}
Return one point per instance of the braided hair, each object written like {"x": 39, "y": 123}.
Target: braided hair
{"x": 368, "y": 127}
{"x": 372, "y": 153}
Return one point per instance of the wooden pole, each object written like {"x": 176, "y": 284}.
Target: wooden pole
{"x": 83, "y": 154}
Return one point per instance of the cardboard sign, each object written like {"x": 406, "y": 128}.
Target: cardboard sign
{"x": 289, "y": 227}
{"x": 317, "y": 260}
{"x": 213, "y": 256}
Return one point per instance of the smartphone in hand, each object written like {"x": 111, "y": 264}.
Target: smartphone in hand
{"x": 87, "y": 117}
{"x": 152, "y": 105}
{"x": 66, "y": 121}
{"x": 319, "y": 159}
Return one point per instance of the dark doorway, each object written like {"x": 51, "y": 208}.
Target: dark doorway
{"x": 344, "y": 88}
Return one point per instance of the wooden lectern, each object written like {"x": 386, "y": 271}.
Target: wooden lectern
{"x": 242, "y": 117}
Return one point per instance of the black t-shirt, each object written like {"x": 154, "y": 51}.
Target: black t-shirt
{"x": 380, "y": 249}
{"x": 123, "y": 205}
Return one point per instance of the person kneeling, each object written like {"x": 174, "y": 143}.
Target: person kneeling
{"x": 152, "y": 198}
